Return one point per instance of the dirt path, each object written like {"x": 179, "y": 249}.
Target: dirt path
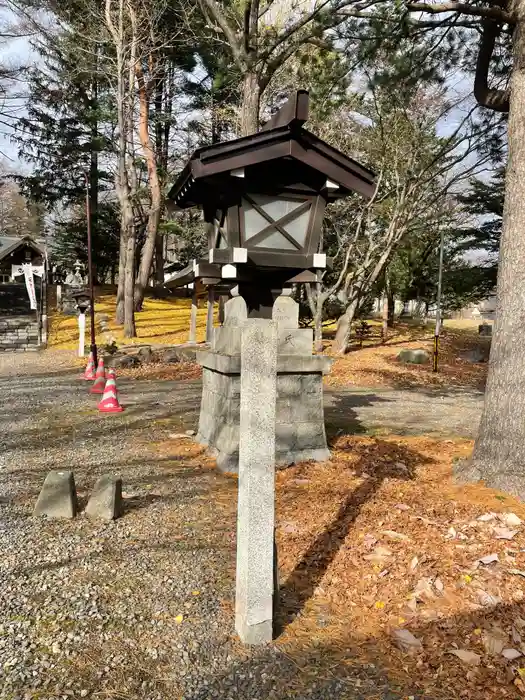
{"x": 404, "y": 412}
{"x": 453, "y": 412}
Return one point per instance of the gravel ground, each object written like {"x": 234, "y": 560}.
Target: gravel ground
{"x": 139, "y": 608}
{"x": 448, "y": 413}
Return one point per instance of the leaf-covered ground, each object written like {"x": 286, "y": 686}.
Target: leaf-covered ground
{"x": 162, "y": 321}
{"x": 386, "y": 563}
{"x": 380, "y": 542}
{"x": 166, "y": 321}
{"x": 376, "y": 364}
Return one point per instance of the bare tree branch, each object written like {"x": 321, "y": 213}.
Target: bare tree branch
{"x": 490, "y": 12}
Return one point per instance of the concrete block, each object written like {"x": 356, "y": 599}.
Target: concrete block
{"x": 295, "y": 341}
{"x": 228, "y": 462}
{"x": 321, "y": 454}
{"x": 310, "y": 436}
{"x": 235, "y": 312}
{"x": 289, "y": 385}
{"x": 105, "y": 502}
{"x": 285, "y": 437}
{"x": 289, "y": 364}
{"x": 309, "y": 410}
{"x": 58, "y": 497}
{"x": 227, "y": 340}
{"x": 413, "y": 357}
{"x": 225, "y": 437}
{"x": 312, "y": 384}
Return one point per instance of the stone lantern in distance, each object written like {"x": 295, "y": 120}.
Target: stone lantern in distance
{"x": 263, "y": 198}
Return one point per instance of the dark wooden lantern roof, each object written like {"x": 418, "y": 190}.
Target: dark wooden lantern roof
{"x": 263, "y": 198}
{"x": 283, "y": 156}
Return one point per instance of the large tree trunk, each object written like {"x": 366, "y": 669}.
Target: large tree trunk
{"x": 152, "y": 228}
{"x": 499, "y": 452}
{"x": 119, "y": 314}
{"x": 251, "y": 99}
{"x": 391, "y": 305}
{"x": 146, "y": 260}
{"x": 129, "y": 288}
{"x": 159, "y": 260}
{"x": 384, "y": 324}
{"x": 344, "y": 327}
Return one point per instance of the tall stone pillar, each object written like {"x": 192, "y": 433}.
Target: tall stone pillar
{"x": 256, "y": 510}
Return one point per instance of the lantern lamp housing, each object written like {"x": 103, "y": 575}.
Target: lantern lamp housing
{"x": 263, "y": 196}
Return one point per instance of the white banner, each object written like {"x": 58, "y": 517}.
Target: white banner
{"x": 18, "y": 270}
{"x": 30, "y": 284}
{"x": 28, "y": 271}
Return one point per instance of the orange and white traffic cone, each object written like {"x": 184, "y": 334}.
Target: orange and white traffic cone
{"x": 89, "y": 374}
{"x": 100, "y": 379}
{"x": 110, "y": 403}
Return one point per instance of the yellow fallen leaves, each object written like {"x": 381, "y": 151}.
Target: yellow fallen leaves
{"x": 162, "y": 321}
{"x": 179, "y": 619}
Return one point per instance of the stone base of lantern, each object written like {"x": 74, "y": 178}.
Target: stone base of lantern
{"x": 300, "y": 430}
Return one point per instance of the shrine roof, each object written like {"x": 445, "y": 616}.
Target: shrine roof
{"x": 220, "y": 167}
{"x": 8, "y": 245}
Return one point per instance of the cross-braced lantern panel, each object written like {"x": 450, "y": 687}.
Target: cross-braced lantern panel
{"x": 218, "y": 231}
{"x": 275, "y": 222}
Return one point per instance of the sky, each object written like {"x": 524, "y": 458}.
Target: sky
{"x": 13, "y": 52}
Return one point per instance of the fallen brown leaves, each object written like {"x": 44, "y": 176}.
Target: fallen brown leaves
{"x": 159, "y": 370}
{"x": 379, "y": 556}
{"x": 376, "y": 364}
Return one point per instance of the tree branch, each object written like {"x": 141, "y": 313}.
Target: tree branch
{"x": 493, "y": 98}
{"x": 230, "y": 34}
{"x": 490, "y": 12}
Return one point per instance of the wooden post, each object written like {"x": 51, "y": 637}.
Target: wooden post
{"x": 193, "y": 318}
{"x": 222, "y": 300}
{"x": 209, "y": 316}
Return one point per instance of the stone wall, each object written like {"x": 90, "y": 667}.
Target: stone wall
{"x": 19, "y": 334}
{"x": 19, "y": 327}
{"x": 14, "y": 300}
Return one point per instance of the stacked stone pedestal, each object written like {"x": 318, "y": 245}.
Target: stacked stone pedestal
{"x": 299, "y": 431}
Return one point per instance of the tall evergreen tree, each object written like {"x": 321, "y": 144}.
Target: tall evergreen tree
{"x": 60, "y": 135}
{"x": 69, "y": 242}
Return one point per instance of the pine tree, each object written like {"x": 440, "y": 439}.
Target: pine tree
{"x": 60, "y": 136}
{"x": 69, "y": 242}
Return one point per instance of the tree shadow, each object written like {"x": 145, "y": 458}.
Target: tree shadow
{"x": 300, "y": 585}
{"x": 340, "y": 414}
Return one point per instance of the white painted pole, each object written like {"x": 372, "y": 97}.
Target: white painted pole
{"x": 193, "y": 317}
{"x": 81, "y": 334}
